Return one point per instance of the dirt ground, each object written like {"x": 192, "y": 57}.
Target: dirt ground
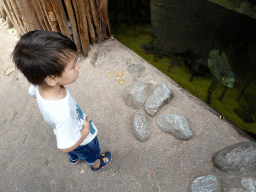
{"x": 30, "y": 160}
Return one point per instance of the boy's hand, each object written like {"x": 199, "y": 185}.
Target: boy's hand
{"x": 86, "y": 126}
{"x": 84, "y": 131}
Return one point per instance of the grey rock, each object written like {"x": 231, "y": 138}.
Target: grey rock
{"x": 237, "y": 190}
{"x": 136, "y": 69}
{"x": 136, "y": 95}
{"x": 159, "y": 97}
{"x": 141, "y": 127}
{"x": 178, "y": 125}
{"x": 206, "y": 183}
{"x": 249, "y": 184}
{"x": 238, "y": 157}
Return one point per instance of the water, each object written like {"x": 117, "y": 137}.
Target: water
{"x": 178, "y": 41}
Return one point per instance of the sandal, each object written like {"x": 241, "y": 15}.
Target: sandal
{"x": 105, "y": 160}
{"x": 74, "y": 162}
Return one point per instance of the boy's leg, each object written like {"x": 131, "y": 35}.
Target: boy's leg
{"x": 89, "y": 153}
{"x": 73, "y": 158}
{"x": 97, "y": 164}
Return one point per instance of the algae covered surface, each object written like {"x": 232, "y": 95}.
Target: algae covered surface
{"x": 134, "y": 36}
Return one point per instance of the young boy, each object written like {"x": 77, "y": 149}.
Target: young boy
{"x": 48, "y": 61}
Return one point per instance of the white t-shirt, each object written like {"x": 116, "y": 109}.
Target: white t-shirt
{"x": 66, "y": 118}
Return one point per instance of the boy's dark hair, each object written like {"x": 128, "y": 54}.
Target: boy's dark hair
{"x": 40, "y": 53}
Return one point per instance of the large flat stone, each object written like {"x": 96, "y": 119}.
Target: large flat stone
{"x": 136, "y": 95}
{"x": 159, "y": 97}
{"x": 141, "y": 127}
{"x": 238, "y": 157}
{"x": 177, "y": 125}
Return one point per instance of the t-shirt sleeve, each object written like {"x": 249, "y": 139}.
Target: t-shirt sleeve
{"x": 67, "y": 133}
{"x": 32, "y": 90}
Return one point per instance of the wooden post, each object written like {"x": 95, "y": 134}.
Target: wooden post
{"x": 15, "y": 20}
{"x": 24, "y": 18}
{"x": 29, "y": 10}
{"x": 8, "y": 10}
{"x": 85, "y": 6}
{"x": 104, "y": 9}
{"x": 95, "y": 14}
{"x": 60, "y": 15}
{"x": 73, "y": 24}
{"x": 82, "y": 27}
{"x": 18, "y": 16}
{"x": 44, "y": 14}
{"x": 103, "y": 12}
{"x": 48, "y": 10}
{"x": 5, "y": 7}
{"x": 4, "y": 14}
{"x": 39, "y": 14}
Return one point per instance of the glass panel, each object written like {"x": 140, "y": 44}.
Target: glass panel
{"x": 207, "y": 47}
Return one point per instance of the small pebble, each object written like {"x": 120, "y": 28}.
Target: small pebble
{"x": 120, "y": 73}
{"x": 121, "y": 81}
{"x": 110, "y": 74}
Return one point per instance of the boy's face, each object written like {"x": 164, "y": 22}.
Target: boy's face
{"x": 70, "y": 73}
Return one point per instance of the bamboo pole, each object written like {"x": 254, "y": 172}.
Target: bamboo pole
{"x": 60, "y": 15}
{"x": 31, "y": 14}
{"x": 73, "y": 24}
{"x": 18, "y": 16}
{"x": 15, "y": 19}
{"x": 103, "y": 20}
{"x": 7, "y": 11}
{"x": 82, "y": 26}
{"x": 50, "y": 15}
{"x": 64, "y": 17}
{"x": 44, "y": 14}
{"x": 23, "y": 13}
{"x": 86, "y": 8}
{"x": 96, "y": 19}
{"x": 103, "y": 12}
{"x": 4, "y": 14}
{"x": 36, "y": 5}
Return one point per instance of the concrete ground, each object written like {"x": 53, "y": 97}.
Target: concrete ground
{"x": 30, "y": 160}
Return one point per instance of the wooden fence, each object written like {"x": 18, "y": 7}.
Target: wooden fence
{"x": 84, "y": 21}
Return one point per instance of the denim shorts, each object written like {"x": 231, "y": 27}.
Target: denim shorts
{"x": 89, "y": 153}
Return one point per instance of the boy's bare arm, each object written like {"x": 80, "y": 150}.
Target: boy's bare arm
{"x": 85, "y": 132}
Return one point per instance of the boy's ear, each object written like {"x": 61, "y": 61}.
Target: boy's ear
{"x": 51, "y": 80}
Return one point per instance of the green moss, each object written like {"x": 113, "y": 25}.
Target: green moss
{"x": 134, "y": 36}
{"x": 225, "y": 3}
